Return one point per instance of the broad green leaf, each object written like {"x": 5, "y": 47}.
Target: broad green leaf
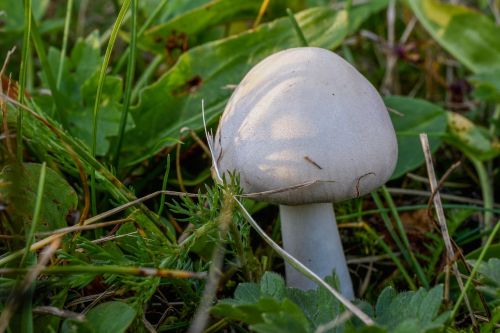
{"x": 474, "y": 140}
{"x": 202, "y": 18}
{"x": 113, "y": 317}
{"x": 418, "y": 116}
{"x": 206, "y": 72}
{"x": 173, "y": 8}
{"x": 469, "y": 36}
{"x": 59, "y": 198}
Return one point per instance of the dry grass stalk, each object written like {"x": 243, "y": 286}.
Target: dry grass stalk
{"x": 441, "y": 219}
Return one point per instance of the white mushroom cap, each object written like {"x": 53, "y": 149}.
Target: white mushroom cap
{"x": 306, "y": 116}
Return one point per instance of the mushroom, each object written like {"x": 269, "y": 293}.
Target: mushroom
{"x": 304, "y": 129}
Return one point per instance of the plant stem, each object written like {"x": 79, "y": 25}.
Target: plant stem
{"x": 110, "y": 269}
{"x": 297, "y": 28}
{"x": 62, "y": 57}
{"x": 164, "y": 187}
{"x": 487, "y": 192}
{"x": 128, "y": 84}
{"x": 141, "y": 32}
{"x": 406, "y": 242}
{"x": 310, "y": 234}
{"x": 100, "y": 85}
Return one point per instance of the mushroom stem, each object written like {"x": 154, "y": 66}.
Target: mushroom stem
{"x": 310, "y": 234}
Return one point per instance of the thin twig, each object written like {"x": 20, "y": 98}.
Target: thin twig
{"x": 450, "y": 197}
{"x": 442, "y": 220}
{"x": 77, "y": 228}
{"x": 52, "y": 310}
{"x": 441, "y": 182}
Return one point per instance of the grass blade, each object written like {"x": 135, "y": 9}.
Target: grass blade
{"x": 67, "y": 22}
{"x": 36, "y": 213}
{"x": 406, "y": 242}
{"x": 100, "y": 85}
{"x": 128, "y": 84}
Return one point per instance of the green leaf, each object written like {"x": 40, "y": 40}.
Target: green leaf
{"x": 201, "y": 18}
{"x": 418, "y": 116}
{"x": 272, "y": 285}
{"x": 205, "y": 72}
{"x": 76, "y": 326}
{"x": 247, "y": 293}
{"x": 473, "y": 140}
{"x": 413, "y": 311}
{"x": 319, "y": 306}
{"x": 469, "y": 36}
{"x": 289, "y": 319}
{"x": 113, "y": 317}
{"x": 59, "y": 198}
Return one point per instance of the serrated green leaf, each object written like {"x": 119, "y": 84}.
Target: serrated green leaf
{"x": 411, "y": 311}
{"x": 272, "y": 285}
{"x": 430, "y": 303}
{"x": 418, "y": 116}
{"x": 276, "y": 308}
{"x": 319, "y": 306}
{"x": 384, "y": 301}
{"x": 468, "y": 35}
{"x": 247, "y": 293}
{"x": 289, "y": 319}
{"x": 474, "y": 140}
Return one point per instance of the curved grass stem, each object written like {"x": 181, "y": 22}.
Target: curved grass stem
{"x": 100, "y": 85}
{"x": 487, "y": 192}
